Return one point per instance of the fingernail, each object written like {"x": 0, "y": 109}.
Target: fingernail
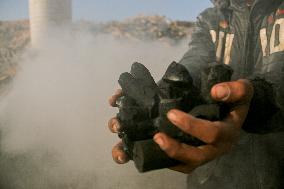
{"x": 115, "y": 126}
{"x": 172, "y": 115}
{"x": 222, "y": 92}
{"x": 159, "y": 141}
{"x": 118, "y": 92}
{"x": 120, "y": 159}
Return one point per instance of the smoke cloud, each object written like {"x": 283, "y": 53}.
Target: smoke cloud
{"x": 54, "y": 119}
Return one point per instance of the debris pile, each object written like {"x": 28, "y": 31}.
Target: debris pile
{"x": 7, "y": 67}
{"x": 16, "y": 35}
{"x": 149, "y": 28}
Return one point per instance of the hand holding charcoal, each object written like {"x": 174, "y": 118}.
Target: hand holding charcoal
{"x": 143, "y": 111}
{"x": 219, "y": 136}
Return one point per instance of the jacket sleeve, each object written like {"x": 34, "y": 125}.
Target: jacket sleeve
{"x": 266, "y": 113}
{"x": 201, "y": 47}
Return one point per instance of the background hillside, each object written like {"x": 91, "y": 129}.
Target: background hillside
{"x": 15, "y": 35}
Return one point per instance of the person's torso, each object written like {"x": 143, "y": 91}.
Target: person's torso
{"x": 250, "y": 42}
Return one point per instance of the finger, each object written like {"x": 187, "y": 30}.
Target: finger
{"x": 238, "y": 115}
{"x": 118, "y": 154}
{"x": 237, "y": 92}
{"x": 210, "y": 152}
{"x": 184, "y": 153}
{"x": 114, "y": 125}
{"x": 240, "y": 91}
{"x": 113, "y": 98}
{"x": 204, "y": 130}
{"x": 182, "y": 168}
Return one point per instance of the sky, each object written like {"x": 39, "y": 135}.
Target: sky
{"x": 106, "y": 10}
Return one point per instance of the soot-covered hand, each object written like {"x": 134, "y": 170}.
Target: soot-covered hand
{"x": 143, "y": 114}
{"x": 219, "y": 136}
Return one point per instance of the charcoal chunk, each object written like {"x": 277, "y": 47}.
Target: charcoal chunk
{"x": 143, "y": 109}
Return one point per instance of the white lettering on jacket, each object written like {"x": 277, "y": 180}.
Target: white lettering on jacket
{"x": 264, "y": 41}
{"x": 226, "y": 39}
{"x": 213, "y": 35}
{"x": 276, "y": 42}
{"x": 220, "y": 46}
{"x": 228, "y": 48}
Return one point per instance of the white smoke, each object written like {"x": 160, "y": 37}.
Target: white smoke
{"x": 54, "y": 119}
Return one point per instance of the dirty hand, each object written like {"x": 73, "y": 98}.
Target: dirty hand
{"x": 117, "y": 152}
{"x": 219, "y": 136}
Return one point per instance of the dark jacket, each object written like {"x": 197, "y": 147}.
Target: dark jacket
{"x": 251, "y": 41}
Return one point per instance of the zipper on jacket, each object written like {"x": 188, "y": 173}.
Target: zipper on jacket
{"x": 247, "y": 56}
{"x": 246, "y": 43}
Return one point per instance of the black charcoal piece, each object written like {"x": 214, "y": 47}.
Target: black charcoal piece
{"x": 148, "y": 156}
{"x": 143, "y": 94}
{"x": 213, "y": 74}
{"x": 139, "y": 130}
{"x": 143, "y": 109}
{"x": 210, "y": 112}
{"x": 140, "y": 72}
{"x": 178, "y": 73}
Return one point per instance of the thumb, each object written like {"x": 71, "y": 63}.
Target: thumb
{"x": 240, "y": 91}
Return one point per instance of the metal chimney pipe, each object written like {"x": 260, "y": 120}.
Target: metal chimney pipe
{"x": 47, "y": 16}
